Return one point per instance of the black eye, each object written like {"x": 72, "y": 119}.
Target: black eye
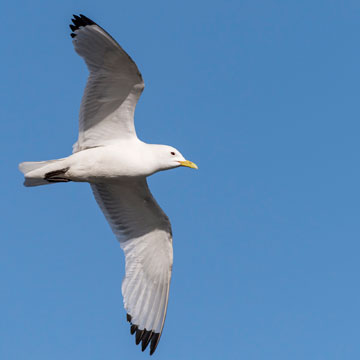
{"x": 172, "y": 153}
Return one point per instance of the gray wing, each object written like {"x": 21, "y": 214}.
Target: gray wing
{"x": 144, "y": 233}
{"x": 112, "y": 90}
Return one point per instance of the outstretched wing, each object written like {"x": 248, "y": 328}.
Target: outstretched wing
{"x": 144, "y": 232}
{"x": 112, "y": 90}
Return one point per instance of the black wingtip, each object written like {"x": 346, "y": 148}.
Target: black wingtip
{"x": 87, "y": 20}
{"x": 146, "y": 339}
{"x": 80, "y": 21}
{"x": 144, "y": 336}
{"x": 154, "y": 342}
{"x": 133, "y": 328}
{"x": 138, "y": 336}
{"x": 128, "y": 318}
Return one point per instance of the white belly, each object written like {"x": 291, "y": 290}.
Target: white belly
{"x": 108, "y": 162}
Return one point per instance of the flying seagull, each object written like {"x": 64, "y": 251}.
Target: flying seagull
{"x": 110, "y": 157}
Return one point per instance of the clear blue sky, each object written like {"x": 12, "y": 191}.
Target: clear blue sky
{"x": 264, "y": 96}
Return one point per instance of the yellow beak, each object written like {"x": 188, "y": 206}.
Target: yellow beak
{"x": 188, "y": 163}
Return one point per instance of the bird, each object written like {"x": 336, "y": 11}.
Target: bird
{"x": 116, "y": 163}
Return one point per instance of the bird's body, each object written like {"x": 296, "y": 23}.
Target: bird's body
{"x": 110, "y": 157}
{"x": 129, "y": 158}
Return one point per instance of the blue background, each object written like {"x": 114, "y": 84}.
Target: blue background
{"x": 264, "y": 97}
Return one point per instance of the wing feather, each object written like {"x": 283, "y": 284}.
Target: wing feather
{"x": 112, "y": 90}
{"x": 144, "y": 233}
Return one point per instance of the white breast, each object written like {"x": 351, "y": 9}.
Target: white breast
{"x": 124, "y": 159}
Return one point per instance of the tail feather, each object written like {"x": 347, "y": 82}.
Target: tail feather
{"x": 27, "y": 166}
{"x": 35, "y": 171}
{"x": 35, "y": 182}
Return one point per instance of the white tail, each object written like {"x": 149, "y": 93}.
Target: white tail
{"x": 35, "y": 171}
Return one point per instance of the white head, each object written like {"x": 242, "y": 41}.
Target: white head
{"x": 168, "y": 157}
